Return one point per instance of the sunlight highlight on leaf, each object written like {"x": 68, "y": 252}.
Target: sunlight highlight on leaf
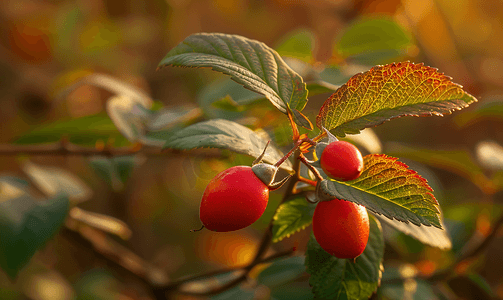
{"x": 387, "y": 92}
{"x": 250, "y": 63}
{"x": 388, "y": 187}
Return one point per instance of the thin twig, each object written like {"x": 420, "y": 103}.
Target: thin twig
{"x": 68, "y": 149}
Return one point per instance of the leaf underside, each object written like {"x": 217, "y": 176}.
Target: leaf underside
{"x": 250, "y": 63}
{"x": 224, "y": 134}
{"x": 388, "y": 187}
{"x": 428, "y": 235}
{"x": 335, "y": 278}
{"x": 390, "y": 91}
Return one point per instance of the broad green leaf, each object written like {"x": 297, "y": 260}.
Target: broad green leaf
{"x": 387, "y": 92}
{"x": 250, "y": 63}
{"x": 298, "y": 43}
{"x": 335, "y": 278}
{"x": 282, "y": 271}
{"x": 53, "y": 181}
{"x": 457, "y": 161}
{"x": 291, "y": 217}
{"x": 82, "y": 131}
{"x": 388, "y": 187}
{"x": 373, "y": 38}
{"x": 115, "y": 171}
{"x": 25, "y": 226}
{"x": 429, "y": 235}
{"x": 225, "y": 134}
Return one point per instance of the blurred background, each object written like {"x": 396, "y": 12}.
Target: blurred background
{"x": 47, "y": 45}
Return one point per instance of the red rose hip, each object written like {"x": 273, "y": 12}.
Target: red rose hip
{"x": 341, "y": 228}
{"x": 234, "y": 199}
{"x": 342, "y": 161}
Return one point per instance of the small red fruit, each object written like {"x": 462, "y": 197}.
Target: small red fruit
{"x": 342, "y": 161}
{"x": 234, "y": 199}
{"x": 341, "y": 227}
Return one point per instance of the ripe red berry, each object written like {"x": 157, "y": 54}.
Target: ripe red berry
{"x": 234, "y": 199}
{"x": 342, "y": 161}
{"x": 341, "y": 227}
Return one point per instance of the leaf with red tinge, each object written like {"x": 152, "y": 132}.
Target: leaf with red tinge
{"x": 388, "y": 187}
{"x": 387, "y": 92}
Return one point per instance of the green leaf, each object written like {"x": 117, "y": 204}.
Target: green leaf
{"x": 373, "y": 38}
{"x": 387, "y": 92}
{"x": 82, "y": 131}
{"x": 25, "y": 226}
{"x": 225, "y": 134}
{"x": 250, "y": 63}
{"x": 282, "y": 271}
{"x": 429, "y": 235}
{"x": 335, "y": 278}
{"x": 291, "y": 217}
{"x": 390, "y": 188}
{"x": 298, "y": 43}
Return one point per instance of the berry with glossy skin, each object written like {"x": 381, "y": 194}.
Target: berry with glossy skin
{"x": 342, "y": 161}
{"x": 234, "y": 199}
{"x": 341, "y": 227}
